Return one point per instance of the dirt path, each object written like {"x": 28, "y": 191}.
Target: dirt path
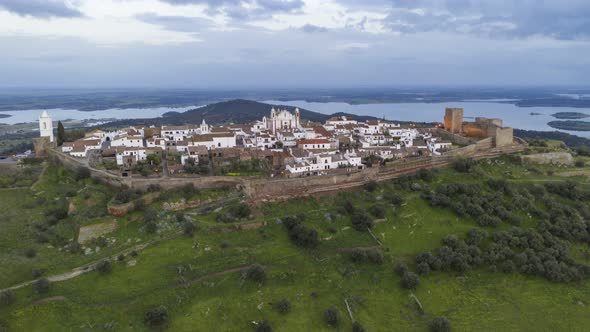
{"x": 220, "y": 273}
{"x": 49, "y": 299}
{"x": 78, "y": 271}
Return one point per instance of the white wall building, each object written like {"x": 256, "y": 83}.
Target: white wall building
{"x": 46, "y": 126}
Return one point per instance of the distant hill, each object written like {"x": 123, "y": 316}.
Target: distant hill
{"x": 233, "y": 111}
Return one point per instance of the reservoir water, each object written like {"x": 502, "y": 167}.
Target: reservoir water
{"x": 513, "y": 116}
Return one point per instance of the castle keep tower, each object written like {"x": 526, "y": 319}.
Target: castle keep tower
{"x": 46, "y": 126}
{"x": 454, "y": 120}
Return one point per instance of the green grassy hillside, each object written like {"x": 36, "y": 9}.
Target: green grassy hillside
{"x": 202, "y": 280}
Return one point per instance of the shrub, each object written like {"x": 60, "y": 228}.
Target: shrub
{"x": 357, "y": 327}
{"x": 400, "y": 268}
{"x": 30, "y": 253}
{"x": 41, "y": 286}
{"x": 7, "y": 297}
{"x": 394, "y": 199}
{"x": 133, "y": 253}
{"x": 124, "y": 196}
{"x": 580, "y": 163}
{"x": 463, "y": 165}
{"x": 151, "y": 227}
{"x": 139, "y": 205}
{"x": 283, "y": 306}
{"x": 156, "y": 317}
{"x": 241, "y": 211}
{"x": 348, "y": 207}
{"x": 361, "y": 221}
{"x": 224, "y": 244}
{"x": 378, "y": 211}
{"x": 36, "y": 273}
{"x": 410, "y": 280}
{"x": 256, "y": 273}
{"x": 153, "y": 188}
{"x": 263, "y": 326}
{"x": 358, "y": 255}
{"x": 188, "y": 228}
{"x": 423, "y": 268}
{"x": 121, "y": 257}
{"x": 82, "y": 173}
{"x": 104, "y": 266}
{"x": 375, "y": 256}
{"x": 179, "y": 217}
{"x": 332, "y": 316}
{"x": 301, "y": 235}
{"x": 371, "y": 186}
{"x": 440, "y": 324}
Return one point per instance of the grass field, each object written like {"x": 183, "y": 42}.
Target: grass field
{"x": 198, "y": 279}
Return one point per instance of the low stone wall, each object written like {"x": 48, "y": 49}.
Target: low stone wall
{"x": 119, "y": 210}
{"x": 73, "y": 164}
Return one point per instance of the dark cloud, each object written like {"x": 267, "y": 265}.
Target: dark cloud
{"x": 246, "y": 9}
{"x": 310, "y": 28}
{"x": 559, "y": 19}
{"x": 40, "y": 8}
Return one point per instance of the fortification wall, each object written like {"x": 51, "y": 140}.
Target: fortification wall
{"x": 73, "y": 164}
{"x": 281, "y": 188}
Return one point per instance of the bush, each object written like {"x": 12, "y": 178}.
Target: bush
{"x": 463, "y": 165}
{"x": 263, "y": 326}
{"x": 378, "y": 211}
{"x": 357, "y": 327}
{"x": 283, "y": 306}
{"x": 139, "y": 205}
{"x": 36, "y": 273}
{"x": 361, "y": 221}
{"x": 179, "y": 217}
{"x": 30, "y": 253}
{"x": 410, "y": 280}
{"x": 7, "y": 297}
{"x": 188, "y": 228}
{"x": 256, "y": 273}
{"x": 400, "y": 268}
{"x": 371, "y": 186}
{"x": 41, "y": 286}
{"x": 104, "y": 266}
{"x": 394, "y": 199}
{"x": 375, "y": 256}
{"x": 241, "y": 211}
{"x": 423, "y": 268}
{"x": 82, "y": 173}
{"x": 332, "y": 316}
{"x": 301, "y": 235}
{"x": 224, "y": 244}
{"x": 440, "y": 324}
{"x": 580, "y": 163}
{"x": 157, "y": 317}
{"x": 151, "y": 227}
{"x": 358, "y": 255}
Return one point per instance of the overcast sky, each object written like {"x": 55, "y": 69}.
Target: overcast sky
{"x": 293, "y": 43}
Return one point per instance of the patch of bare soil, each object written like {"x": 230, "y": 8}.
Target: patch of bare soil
{"x": 93, "y": 231}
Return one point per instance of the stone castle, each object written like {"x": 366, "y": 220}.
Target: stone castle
{"x": 481, "y": 128}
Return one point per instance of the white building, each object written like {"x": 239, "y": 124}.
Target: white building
{"x": 46, "y": 126}
{"x": 282, "y": 120}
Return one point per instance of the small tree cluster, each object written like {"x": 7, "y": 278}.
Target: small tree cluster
{"x": 7, "y": 297}
{"x": 156, "y": 318}
{"x": 332, "y": 316}
{"x": 363, "y": 255}
{"x": 256, "y": 273}
{"x": 361, "y": 221}
{"x": 104, "y": 266}
{"x": 283, "y": 306}
{"x": 300, "y": 234}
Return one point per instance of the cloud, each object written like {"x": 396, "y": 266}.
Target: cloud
{"x": 245, "y": 9}
{"x": 556, "y": 19}
{"x": 40, "y": 8}
{"x": 310, "y": 28}
{"x": 176, "y": 23}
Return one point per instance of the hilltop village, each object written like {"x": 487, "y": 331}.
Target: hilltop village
{"x": 281, "y": 144}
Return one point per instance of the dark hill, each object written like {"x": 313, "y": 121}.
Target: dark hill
{"x": 233, "y": 111}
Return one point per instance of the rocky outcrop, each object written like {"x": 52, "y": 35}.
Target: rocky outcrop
{"x": 552, "y": 158}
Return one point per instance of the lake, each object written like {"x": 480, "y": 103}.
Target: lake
{"x": 513, "y": 116}
{"x": 114, "y": 113}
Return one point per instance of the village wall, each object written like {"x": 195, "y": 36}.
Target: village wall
{"x": 281, "y": 188}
